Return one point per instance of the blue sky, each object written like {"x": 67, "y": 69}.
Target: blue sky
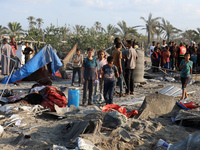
{"x": 180, "y": 13}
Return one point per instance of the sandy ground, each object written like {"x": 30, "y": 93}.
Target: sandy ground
{"x": 144, "y": 133}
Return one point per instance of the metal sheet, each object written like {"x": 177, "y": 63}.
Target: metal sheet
{"x": 132, "y": 102}
{"x": 173, "y": 91}
{"x": 165, "y": 89}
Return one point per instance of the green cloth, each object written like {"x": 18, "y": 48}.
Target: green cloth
{"x": 185, "y": 71}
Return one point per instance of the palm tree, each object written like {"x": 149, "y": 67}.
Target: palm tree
{"x": 31, "y": 21}
{"x": 124, "y": 30}
{"x": 111, "y": 30}
{"x": 168, "y": 29}
{"x": 98, "y": 26}
{"x": 188, "y": 35}
{"x": 78, "y": 29}
{"x": 63, "y": 31}
{"x": 14, "y": 28}
{"x": 2, "y": 30}
{"x": 197, "y": 35}
{"x": 158, "y": 33}
{"x": 150, "y": 24}
{"x": 39, "y": 22}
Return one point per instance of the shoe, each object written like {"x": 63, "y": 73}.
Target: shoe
{"x": 84, "y": 104}
{"x": 127, "y": 93}
{"x": 90, "y": 103}
{"x": 132, "y": 93}
{"x": 122, "y": 95}
{"x": 72, "y": 84}
{"x": 116, "y": 94}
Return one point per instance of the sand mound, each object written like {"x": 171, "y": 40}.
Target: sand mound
{"x": 156, "y": 105}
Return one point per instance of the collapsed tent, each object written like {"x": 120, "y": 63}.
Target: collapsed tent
{"x": 69, "y": 56}
{"x": 46, "y": 56}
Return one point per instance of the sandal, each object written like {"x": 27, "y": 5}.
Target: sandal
{"x": 132, "y": 93}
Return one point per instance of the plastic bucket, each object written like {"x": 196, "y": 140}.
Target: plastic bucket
{"x": 73, "y": 97}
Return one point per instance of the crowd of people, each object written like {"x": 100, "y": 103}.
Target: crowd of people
{"x": 9, "y": 51}
{"x": 169, "y": 56}
{"x": 104, "y": 71}
{"x": 182, "y": 57}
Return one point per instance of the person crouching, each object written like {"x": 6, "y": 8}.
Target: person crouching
{"x": 109, "y": 75}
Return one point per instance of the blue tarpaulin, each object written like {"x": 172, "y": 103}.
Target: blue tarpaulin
{"x": 45, "y": 56}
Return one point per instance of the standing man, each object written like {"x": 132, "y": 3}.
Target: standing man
{"x": 5, "y": 61}
{"x": 131, "y": 57}
{"x": 181, "y": 53}
{"x": 13, "y": 44}
{"x": 164, "y": 44}
{"x": 151, "y": 52}
{"x": 198, "y": 55}
{"x": 27, "y": 52}
{"x": 77, "y": 64}
{"x": 117, "y": 56}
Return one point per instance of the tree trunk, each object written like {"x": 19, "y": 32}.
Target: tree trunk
{"x": 149, "y": 38}
{"x": 168, "y": 38}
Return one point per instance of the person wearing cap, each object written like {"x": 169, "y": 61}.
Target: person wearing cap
{"x": 5, "y": 61}
{"x": 186, "y": 71}
{"x": 191, "y": 47}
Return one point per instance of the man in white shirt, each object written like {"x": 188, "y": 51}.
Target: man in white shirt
{"x": 152, "y": 48}
{"x": 151, "y": 51}
{"x": 77, "y": 64}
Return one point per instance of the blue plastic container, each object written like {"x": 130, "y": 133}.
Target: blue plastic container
{"x": 73, "y": 97}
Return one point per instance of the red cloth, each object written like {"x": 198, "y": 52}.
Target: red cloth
{"x": 122, "y": 110}
{"x": 57, "y": 74}
{"x": 189, "y": 105}
{"x": 54, "y": 96}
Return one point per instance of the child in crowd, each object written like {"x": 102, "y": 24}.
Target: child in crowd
{"x": 77, "y": 63}
{"x": 166, "y": 56}
{"x": 101, "y": 61}
{"x": 155, "y": 59}
{"x": 194, "y": 59}
{"x": 117, "y": 56}
{"x": 109, "y": 72}
{"x": 186, "y": 71}
{"x": 161, "y": 56}
{"x": 89, "y": 74}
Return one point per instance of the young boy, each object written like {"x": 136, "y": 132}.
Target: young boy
{"x": 117, "y": 56}
{"x": 155, "y": 59}
{"x": 109, "y": 72}
{"x": 186, "y": 71}
{"x": 89, "y": 74}
{"x": 77, "y": 63}
{"x": 166, "y": 58}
